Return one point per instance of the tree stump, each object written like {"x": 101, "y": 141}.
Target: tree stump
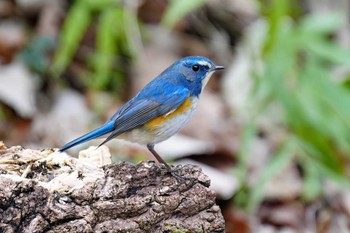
{"x": 47, "y": 191}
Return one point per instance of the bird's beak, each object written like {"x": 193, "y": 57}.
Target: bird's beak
{"x": 218, "y": 68}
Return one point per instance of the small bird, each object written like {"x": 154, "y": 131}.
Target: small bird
{"x": 160, "y": 109}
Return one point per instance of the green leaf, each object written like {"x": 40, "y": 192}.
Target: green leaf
{"x": 178, "y": 9}
{"x": 241, "y": 168}
{"x": 74, "y": 27}
{"x": 330, "y": 51}
{"x": 312, "y": 187}
{"x": 299, "y": 57}
{"x": 321, "y": 23}
{"x": 36, "y": 53}
{"x": 106, "y": 45}
{"x": 100, "y": 5}
{"x": 274, "y": 166}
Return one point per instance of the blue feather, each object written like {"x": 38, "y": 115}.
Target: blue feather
{"x": 104, "y": 129}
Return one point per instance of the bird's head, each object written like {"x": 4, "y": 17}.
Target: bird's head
{"x": 197, "y": 71}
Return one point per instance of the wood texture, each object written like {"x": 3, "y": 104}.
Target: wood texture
{"x": 45, "y": 191}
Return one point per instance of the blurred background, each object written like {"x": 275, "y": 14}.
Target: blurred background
{"x": 272, "y": 130}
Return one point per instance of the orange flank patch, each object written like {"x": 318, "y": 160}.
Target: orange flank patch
{"x": 157, "y": 122}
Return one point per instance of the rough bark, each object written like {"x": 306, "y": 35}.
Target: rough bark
{"x": 45, "y": 191}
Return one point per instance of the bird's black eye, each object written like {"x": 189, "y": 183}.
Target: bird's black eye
{"x": 195, "y": 67}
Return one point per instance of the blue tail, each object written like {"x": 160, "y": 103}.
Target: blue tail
{"x": 104, "y": 129}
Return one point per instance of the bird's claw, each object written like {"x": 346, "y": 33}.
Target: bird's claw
{"x": 173, "y": 171}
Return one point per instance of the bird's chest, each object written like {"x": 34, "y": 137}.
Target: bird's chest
{"x": 165, "y": 126}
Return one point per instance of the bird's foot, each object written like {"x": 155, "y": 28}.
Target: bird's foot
{"x": 176, "y": 173}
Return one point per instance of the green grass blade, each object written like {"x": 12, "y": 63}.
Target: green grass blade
{"x": 178, "y": 9}
{"x": 275, "y": 165}
{"x": 74, "y": 27}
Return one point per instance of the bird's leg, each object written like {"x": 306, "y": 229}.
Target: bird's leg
{"x": 157, "y": 156}
{"x": 160, "y": 160}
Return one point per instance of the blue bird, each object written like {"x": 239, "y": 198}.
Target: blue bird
{"x": 160, "y": 109}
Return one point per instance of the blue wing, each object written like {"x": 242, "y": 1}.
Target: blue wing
{"x": 156, "y": 99}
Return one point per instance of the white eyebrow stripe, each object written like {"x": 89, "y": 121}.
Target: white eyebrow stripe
{"x": 204, "y": 63}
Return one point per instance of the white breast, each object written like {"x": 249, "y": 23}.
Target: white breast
{"x": 171, "y": 127}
